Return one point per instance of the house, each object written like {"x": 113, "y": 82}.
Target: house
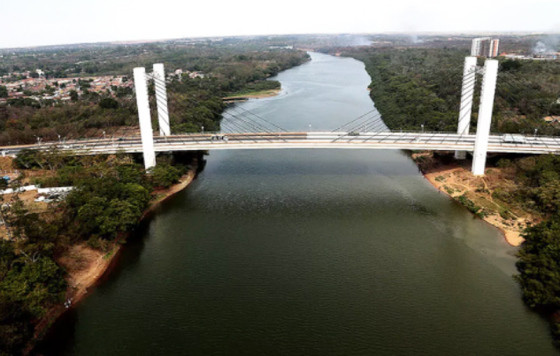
{"x": 552, "y": 119}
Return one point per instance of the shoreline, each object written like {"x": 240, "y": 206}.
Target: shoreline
{"x": 511, "y": 238}
{"x": 253, "y": 95}
{"x": 82, "y": 282}
{"x": 456, "y": 181}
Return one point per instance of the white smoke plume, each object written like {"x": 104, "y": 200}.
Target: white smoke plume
{"x": 548, "y": 44}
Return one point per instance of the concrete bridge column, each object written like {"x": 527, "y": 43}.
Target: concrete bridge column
{"x": 467, "y": 93}
{"x": 161, "y": 100}
{"x": 484, "y": 116}
{"x": 144, "y": 117}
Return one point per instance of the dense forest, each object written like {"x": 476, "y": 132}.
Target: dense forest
{"x": 538, "y": 181}
{"x": 193, "y": 102}
{"x": 422, "y": 86}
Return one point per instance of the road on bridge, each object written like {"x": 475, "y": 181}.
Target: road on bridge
{"x": 436, "y": 141}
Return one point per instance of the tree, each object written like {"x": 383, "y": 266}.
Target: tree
{"x": 120, "y": 216}
{"x": 108, "y": 103}
{"x": 164, "y": 175}
{"x": 539, "y": 266}
{"x": 73, "y": 95}
{"x": 3, "y": 91}
{"x": 26, "y": 289}
{"x": 15, "y": 325}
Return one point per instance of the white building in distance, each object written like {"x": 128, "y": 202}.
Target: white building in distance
{"x": 485, "y": 47}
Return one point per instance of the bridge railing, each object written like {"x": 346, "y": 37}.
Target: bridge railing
{"x": 203, "y": 136}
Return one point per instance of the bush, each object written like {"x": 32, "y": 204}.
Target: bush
{"x": 164, "y": 175}
{"x": 109, "y": 103}
{"x": 506, "y": 214}
{"x": 504, "y": 163}
{"x": 470, "y": 205}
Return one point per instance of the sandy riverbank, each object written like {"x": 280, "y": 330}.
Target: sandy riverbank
{"x": 85, "y": 265}
{"x": 455, "y": 180}
{"x": 253, "y": 95}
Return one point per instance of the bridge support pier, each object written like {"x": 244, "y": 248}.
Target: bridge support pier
{"x": 467, "y": 94}
{"x": 144, "y": 117}
{"x": 484, "y": 116}
{"x": 161, "y": 100}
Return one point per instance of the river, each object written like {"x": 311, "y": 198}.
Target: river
{"x": 311, "y": 252}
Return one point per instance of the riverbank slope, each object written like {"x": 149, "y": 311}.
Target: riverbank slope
{"x": 480, "y": 195}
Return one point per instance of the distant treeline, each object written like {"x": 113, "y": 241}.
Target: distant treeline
{"x": 422, "y": 86}
{"x": 119, "y": 59}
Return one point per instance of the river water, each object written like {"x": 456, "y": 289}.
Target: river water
{"x": 311, "y": 252}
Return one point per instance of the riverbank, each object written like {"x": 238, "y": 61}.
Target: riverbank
{"x": 85, "y": 265}
{"x": 477, "y": 194}
{"x": 253, "y": 95}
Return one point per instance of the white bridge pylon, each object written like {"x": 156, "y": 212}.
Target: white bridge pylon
{"x": 484, "y": 116}
{"x": 144, "y": 117}
{"x": 467, "y": 94}
{"x": 490, "y": 71}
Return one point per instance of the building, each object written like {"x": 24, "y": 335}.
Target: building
{"x": 494, "y": 48}
{"x": 485, "y": 47}
{"x": 475, "y": 47}
{"x": 552, "y": 119}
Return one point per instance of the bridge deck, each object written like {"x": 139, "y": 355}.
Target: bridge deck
{"x": 342, "y": 140}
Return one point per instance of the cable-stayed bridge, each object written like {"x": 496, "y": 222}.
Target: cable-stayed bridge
{"x": 242, "y": 129}
{"x": 436, "y": 141}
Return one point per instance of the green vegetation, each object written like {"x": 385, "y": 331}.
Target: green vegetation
{"x": 30, "y": 280}
{"x": 164, "y": 175}
{"x": 258, "y": 87}
{"x": 539, "y": 270}
{"x": 415, "y": 87}
{"x": 422, "y": 86}
{"x": 193, "y": 102}
{"x": 539, "y": 255}
{"x": 448, "y": 189}
{"x": 471, "y": 206}
{"x": 109, "y": 198}
{"x": 537, "y": 181}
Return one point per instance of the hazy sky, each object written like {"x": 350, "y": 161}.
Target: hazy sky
{"x": 44, "y": 22}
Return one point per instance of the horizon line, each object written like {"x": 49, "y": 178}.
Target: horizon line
{"x": 144, "y": 41}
